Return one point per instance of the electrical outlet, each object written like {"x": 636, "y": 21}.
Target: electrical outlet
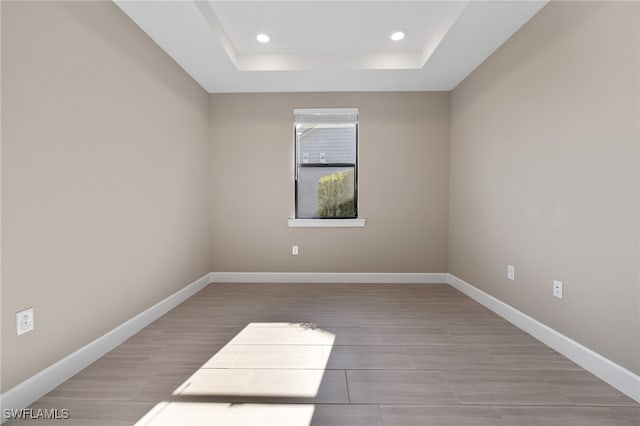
{"x": 511, "y": 272}
{"x": 24, "y": 321}
{"x": 294, "y": 250}
{"x": 557, "y": 289}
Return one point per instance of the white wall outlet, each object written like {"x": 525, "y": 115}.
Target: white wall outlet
{"x": 24, "y": 321}
{"x": 511, "y": 272}
{"x": 323, "y": 157}
{"x": 557, "y": 289}
{"x": 294, "y": 250}
{"x": 305, "y": 157}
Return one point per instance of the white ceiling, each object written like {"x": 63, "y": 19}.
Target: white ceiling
{"x": 329, "y": 45}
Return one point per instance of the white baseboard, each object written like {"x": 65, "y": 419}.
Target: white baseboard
{"x": 617, "y": 376}
{"x": 328, "y": 277}
{"x": 38, "y": 385}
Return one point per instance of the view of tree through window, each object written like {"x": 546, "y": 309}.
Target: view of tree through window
{"x": 326, "y": 163}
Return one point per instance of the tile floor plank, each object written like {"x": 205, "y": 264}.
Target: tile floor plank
{"x": 399, "y": 387}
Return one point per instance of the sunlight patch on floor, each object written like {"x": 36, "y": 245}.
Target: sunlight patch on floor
{"x": 208, "y": 413}
{"x": 264, "y": 361}
{"x": 250, "y": 382}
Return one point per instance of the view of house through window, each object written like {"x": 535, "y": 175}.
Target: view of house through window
{"x": 326, "y": 177}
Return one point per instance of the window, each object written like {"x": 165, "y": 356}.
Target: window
{"x": 326, "y": 163}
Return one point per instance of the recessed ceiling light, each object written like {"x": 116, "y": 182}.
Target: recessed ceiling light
{"x": 263, "y": 38}
{"x": 398, "y": 35}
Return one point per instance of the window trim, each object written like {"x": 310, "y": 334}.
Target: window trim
{"x": 355, "y": 221}
{"x": 324, "y": 223}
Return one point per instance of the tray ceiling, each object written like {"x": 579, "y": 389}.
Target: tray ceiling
{"x": 329, "y": 45}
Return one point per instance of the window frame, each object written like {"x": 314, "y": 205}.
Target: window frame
{"x": 326, "y": 221}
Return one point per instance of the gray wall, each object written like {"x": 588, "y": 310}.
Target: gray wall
{"x": 403, "y": 179}
{"x": 105, "y": 177}
{"x": 544, "y": 174}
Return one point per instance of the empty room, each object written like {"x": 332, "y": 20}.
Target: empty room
{"x": 347, "y": 213}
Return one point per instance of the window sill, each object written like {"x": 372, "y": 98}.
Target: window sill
{"x": 326, "y": 223}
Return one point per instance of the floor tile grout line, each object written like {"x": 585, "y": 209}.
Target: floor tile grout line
{"x": 380, "y": 414}
{"x": 387, "y": 404}
{"x": 346, "y": 380}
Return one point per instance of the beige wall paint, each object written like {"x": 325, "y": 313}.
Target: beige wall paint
{"x": 544, "y": 174}
{"x": 105, "y": 177}
{"x": 403, "y": 178}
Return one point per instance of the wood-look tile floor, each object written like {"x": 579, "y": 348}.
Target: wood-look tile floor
{"x": 335, "y": 354}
